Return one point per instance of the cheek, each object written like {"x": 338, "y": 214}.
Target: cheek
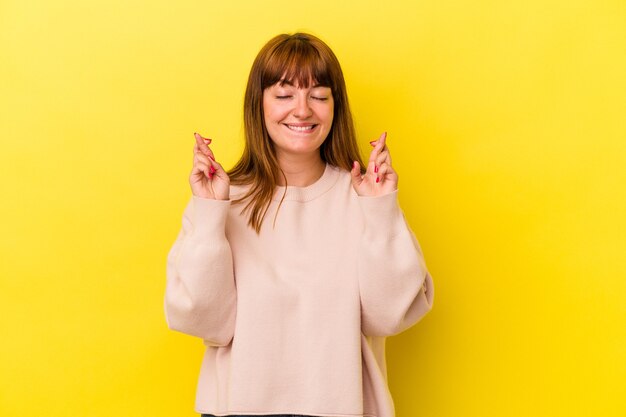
{"x": 268, "y": 110}
{"x": 329, "y": 115}
{"x": 273, "y": 113}
{"x": 330, "y": 111}
{"x": 269, "y": 118}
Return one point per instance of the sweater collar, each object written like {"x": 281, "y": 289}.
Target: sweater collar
{"x": 310, "y": 192}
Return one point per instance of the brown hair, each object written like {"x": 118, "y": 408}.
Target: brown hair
{"x": 300, "y": 58}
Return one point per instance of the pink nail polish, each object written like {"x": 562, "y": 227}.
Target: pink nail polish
{"x": 376, "y": 169}
{"x": 377, "y": 179}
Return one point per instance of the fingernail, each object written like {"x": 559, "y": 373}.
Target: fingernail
{"x": 207, "y": 141}
{"x": 373, "y": 143}
{"x": 377, "y": 179}
{"x": 376, "y": 169}
{"x": 212, "y": 170}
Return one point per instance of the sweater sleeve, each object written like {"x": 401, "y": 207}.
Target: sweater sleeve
{"x": 200, "y": 295}
{"x": 395, "y": 286}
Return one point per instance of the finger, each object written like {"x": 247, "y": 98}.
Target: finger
{"x": 207, "y": 154}
{"x": 201, "y": 158}
{"x": 213, "y": 166}
{"x": 386, "y": 172}
{"x": 201, "y": 139}
{"x": 217, "y": 169}
{"x": 378, "y": 147}
{"x": 203, "y": 143}
{"x": 377, "y": 141}
{"x": 383, "y": 140}
{"x": 382, "y": 171}
{"x": 383, "y": 157}
{"x": 382, "y": 143}
{"x": 210, "y": 153}
{"x": 201, "y": 168}
{"x": 357, "y": 179}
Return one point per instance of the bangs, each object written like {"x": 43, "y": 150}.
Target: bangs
{"x": 298, "y": 63}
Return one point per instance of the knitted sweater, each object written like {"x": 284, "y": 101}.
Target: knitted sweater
{"x": 294, "y": 319}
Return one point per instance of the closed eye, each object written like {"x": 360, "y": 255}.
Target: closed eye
{"x": 321, "y": 98}
{"x": 282, "y": 97}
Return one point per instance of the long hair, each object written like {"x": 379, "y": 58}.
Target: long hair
{"x": 300, "y": 58}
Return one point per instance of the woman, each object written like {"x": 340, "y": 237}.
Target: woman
{"x": 296, "y": 264}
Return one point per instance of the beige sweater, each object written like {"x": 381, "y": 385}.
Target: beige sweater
{"x": 294, "y": 319}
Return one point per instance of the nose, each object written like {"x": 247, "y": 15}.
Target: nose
{"x": 302, "y": 109}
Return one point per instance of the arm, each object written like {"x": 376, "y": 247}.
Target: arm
{"x": 396, "y": 288}
{"x": 200, "y": 297}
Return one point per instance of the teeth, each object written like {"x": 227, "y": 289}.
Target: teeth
{"x": 300, "y": 128}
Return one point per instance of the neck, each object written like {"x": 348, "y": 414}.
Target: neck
{"x": 300, "y": 171}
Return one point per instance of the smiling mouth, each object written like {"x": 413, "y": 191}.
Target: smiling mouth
{"x": 295, "y": 128}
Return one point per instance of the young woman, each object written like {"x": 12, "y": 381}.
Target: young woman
{"x": 295, "y": 265}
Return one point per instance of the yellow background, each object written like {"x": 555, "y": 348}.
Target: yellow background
{"x": 506, "y": 123}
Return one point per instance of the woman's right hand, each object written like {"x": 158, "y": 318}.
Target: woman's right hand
{"x": 208, "y": 179}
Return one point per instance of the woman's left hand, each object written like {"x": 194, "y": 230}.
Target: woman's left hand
{"x": 379, "y": 178}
